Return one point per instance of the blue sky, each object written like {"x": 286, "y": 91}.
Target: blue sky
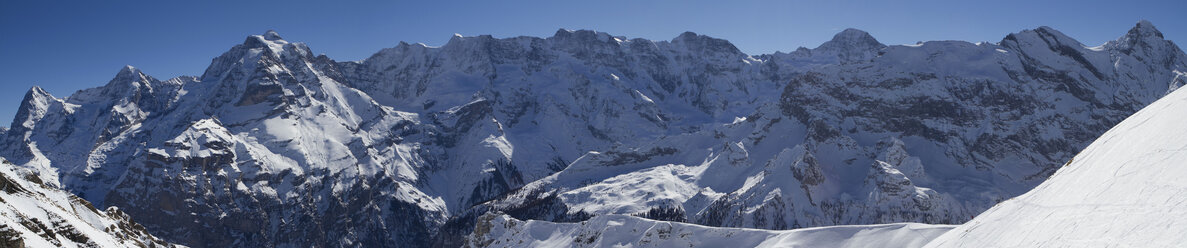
{"x": 66, "y": 46}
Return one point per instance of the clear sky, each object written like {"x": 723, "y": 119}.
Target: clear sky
{"x": 66, "y": 46}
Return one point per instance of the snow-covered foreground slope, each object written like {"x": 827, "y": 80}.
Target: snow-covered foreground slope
{"x": 627, "y": 231}
{"x": 1124, "y": 190}
{"x": 33, "y": 214}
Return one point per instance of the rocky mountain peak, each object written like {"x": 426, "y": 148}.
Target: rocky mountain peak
{"x": 131, "y": 77}
{"x": 583, "y": 35}
{"x": 265, "y": 49}
{"x": 1142, "y": 33}
{"x": 36, "y": 95}
{"x": 686, "y": 36}
{"x": 128, "y": 70}
{"x": 33, "y": 106}
{"x": 1144, "y": 29}
{"x": 269, "y": 39}
{"x": 852, "y": 38}
{"x": 129, "y": 83}
{"x": 36, "y": 92}
{"x": 851, "y": 45}
{"x": 272, "y": 35}
{"x": 1044, "y": 38}
{"x": 1055, "y": 37}
{"x": 698, "y": 42}
{"x": 473, "y": 45}
{"x": 1145, "y": 40}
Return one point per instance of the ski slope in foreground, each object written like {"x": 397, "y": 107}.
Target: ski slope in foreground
{"x": 1124, "y": 190}
{"x": 627, "y": 231}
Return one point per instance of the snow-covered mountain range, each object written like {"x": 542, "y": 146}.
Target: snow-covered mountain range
{"x": 275, "y": 146}
{"x": 1124, "y": 190}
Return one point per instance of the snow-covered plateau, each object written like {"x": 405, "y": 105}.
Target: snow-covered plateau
{"x": 274, "y": 146}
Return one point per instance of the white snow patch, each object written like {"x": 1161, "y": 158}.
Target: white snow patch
{"x": 627, "y": 231}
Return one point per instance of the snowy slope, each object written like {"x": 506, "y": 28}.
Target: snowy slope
{"x": 1124, "y": 190}
{"x": 33, "y": 214}
{"x": 626, "y": 231}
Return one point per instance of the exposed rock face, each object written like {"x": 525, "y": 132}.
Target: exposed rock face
{"x": 33, "y": 214}
{"x": 273, "y": 146}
